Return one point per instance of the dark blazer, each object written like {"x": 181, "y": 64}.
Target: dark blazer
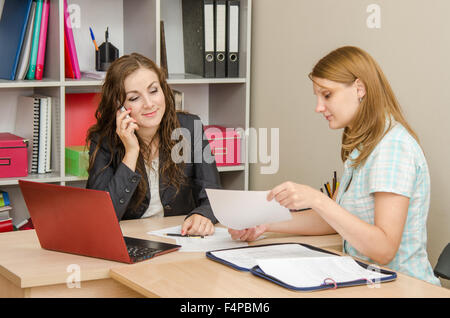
{"x": 121, "y": 182}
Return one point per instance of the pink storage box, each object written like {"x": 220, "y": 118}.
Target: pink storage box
{"x": 13, "y": 156}
{"x": 225, "y": 145}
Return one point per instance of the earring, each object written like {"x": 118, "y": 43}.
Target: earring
{"x": 360, "y": 99}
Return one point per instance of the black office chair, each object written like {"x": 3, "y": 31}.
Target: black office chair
{"x": 442, "y": 268}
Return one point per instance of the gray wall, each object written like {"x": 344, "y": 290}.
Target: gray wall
{"x": 413, "y": 49}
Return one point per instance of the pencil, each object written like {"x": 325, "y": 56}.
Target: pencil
{"x": 187, "y": 235}
{"x": 299, "y": 210}
{"x": 334, "y": 182}
{"x": 327, "y": 189}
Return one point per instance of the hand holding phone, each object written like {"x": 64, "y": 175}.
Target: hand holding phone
{"x": 122, "y": 109}
{"x": 126, "y": 127}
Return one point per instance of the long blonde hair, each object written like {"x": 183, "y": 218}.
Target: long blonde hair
{"x": 346, "y": 65}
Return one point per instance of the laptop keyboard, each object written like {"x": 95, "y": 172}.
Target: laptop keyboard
{"x": 139, "y": 253}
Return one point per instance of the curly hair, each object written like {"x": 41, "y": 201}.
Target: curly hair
{"x": 112, "y": 97}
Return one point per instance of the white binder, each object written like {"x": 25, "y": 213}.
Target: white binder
{"x": 221, "y": 30}
{"x": 209, "y": 38}
{"x": 233, "y": 26}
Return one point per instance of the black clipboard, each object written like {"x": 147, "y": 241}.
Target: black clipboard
{"x": 327, "y": 284}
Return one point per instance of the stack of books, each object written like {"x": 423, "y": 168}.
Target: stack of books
{"x": 5, "y": 218}
{"x": 24, "y": 28}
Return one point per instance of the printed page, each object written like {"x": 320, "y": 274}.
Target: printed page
{"x": 240, "y": 210}
{"x": 247, "y": 257}
{"x": 313, "y": 271}
{"x": 221, "y": 239}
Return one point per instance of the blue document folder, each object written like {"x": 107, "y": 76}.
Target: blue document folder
{"x": 224, "y": 257}
{"x": 13, "y": 24}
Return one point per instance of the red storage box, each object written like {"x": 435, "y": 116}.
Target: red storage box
{"x": 13, "y": 156}
{"x": 225, "y": 145}
{"x": 6, "y": 225}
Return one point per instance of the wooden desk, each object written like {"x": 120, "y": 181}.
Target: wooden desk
{"x": 27, "y": 270}
{"x": 205, "y": 278}
{"x": 198, "y": 276}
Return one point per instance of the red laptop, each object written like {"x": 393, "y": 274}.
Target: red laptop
{"x": 82, "y": 221}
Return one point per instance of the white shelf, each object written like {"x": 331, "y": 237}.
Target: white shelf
{"x": 231, "y": 168}
{"x": 174, "y": 79}
{"x": 81, "y": 82}
{"x": 44, "y": 177}
{"x": 29, "y": 83}
{"x": 69, "y": 178}
{"x": 194, "y": 79}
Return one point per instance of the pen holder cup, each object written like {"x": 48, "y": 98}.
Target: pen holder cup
{"x": 97, "y": 61}
{"x": 106, "y": 54}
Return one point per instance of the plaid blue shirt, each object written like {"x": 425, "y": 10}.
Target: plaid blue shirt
{"x": 397, "y": 165}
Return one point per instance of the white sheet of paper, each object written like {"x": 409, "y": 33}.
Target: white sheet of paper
{"x": 247, "y": 258}
{"x": 240, "y": 210}
{"x": 313, "y": 271}
{"x": 219, "y": 240}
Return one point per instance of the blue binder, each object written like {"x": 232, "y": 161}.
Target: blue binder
{"x": 13, "y": 25}
{"x": 257, "y": 271}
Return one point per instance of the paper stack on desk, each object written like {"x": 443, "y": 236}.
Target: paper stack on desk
{"x": 219, "y": 240}
{"x": 245, "y": 209}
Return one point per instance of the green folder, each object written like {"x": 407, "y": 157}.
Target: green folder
{"x": 31, "y": 74}
{"x": 77, "y": 161}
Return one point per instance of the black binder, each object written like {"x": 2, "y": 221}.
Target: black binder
{"x": 198, "y": 37}
{"x": 327, "y": 284}
{"x": 233, "y": 37}
{"x": 220, "y": 37}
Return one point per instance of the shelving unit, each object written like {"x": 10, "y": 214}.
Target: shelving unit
{"x": 134, "y": 26}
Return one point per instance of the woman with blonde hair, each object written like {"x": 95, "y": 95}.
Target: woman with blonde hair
{"x": 382, "y": 204}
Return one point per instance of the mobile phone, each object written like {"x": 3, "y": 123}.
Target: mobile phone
{"x": 122, "y": 109}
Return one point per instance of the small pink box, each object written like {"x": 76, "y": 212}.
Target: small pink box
{"x": 13, "y": 156}
{"x": 225, "y": 145}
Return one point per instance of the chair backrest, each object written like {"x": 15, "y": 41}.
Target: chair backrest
{"x": 442, "y": 268}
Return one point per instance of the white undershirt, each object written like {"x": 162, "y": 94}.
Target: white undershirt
{"x": 155, "y": 208}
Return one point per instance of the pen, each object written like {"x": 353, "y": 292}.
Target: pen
{"x": 187, "y": 235}
{"x": 329, "y": 189}
{"x": 300, "y": 210}
{"x": 326, "y": 185}
{"x": 334, "y": 182}
{"x": 93, "y": 39}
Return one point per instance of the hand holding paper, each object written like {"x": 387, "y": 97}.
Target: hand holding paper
{"x": 294, "y": 196}
{"x": 245, "y": 209}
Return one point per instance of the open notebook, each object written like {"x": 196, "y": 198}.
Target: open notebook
{"x": 301, "y": 267}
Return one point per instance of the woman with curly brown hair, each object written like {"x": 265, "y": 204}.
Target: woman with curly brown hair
{"x": 132, "y": 149}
